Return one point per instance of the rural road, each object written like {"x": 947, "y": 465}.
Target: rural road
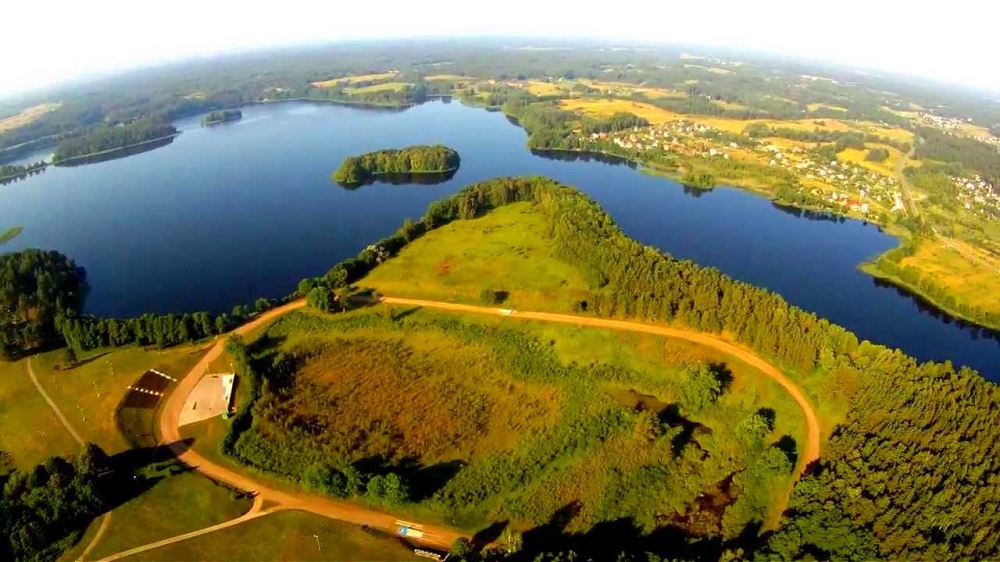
{"x": 438, "y": 536}
{"x": 255, "y": 512}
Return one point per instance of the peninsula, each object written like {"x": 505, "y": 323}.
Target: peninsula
{"x": 223, "y": 116}
{"x": 421, "y": 159}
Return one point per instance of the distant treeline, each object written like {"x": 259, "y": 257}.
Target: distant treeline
{"x": 974, "y": 156}
{"x": 222, "y": 116}
{"x": 926, "y": 427}
{"x": 841, "y": 138}
{"x": 111, "y": 137}
{"x": 407, "y": 95}
{"x": 410, "y": 160}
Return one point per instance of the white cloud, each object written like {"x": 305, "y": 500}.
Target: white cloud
{"x": 58, "y": 39}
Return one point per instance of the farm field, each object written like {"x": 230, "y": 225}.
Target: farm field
{"x": 505, "y": 250}
{"x": 354, "y": 79}
{"x": 26, "y": 116}
{"x": 286, "y": 535}
{"x": 886, "y": 167}
{"x": 973, "y": 282}
{"x": 393, "y": 86}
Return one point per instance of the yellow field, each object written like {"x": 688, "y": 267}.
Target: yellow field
{"x": 968, "y": 273}
{"x": 712, "y": 69}
{"x": 818, "y": 106}
{"x": 606, "y": 108}
{"x": 394, "y": 86}
{"x": 729, "y": 105}
{"x": 355, "y": 79}
{"x": 886, "y": 167}
{"x": 626, "y": 89}
{"x": 27, "y": 116}
{"x": 446, "y": 78}
{"x": 892, "y": 133}
{"x": 539, "y": 88}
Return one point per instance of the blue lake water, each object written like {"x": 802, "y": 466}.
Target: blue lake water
{"x": 241, "y": 210}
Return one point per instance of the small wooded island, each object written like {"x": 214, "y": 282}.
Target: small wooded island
{"x": 421, "y": 159}
{"x": 222, "y": 116}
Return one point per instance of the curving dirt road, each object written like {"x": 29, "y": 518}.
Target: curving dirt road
{"x": 437, "y": 535}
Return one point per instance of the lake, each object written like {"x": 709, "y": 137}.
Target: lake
{"x": 226, "y": 214}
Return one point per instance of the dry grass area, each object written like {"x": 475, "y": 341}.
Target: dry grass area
{"x": 27, "y": 116}
{"x": 607, "y": 108}
{"x": 394, "y": 86}
{"x": 355, "y": 79}
{"x": 540, "y": 88}
{"x": 626, "y": 89}
{"x": 968, "y": 273}
{"x": 892, "y": 133}
{"x": 453, "y": 400}
{"x": 886, "y": 167}
{"x": 447, "y": 78}
{"x": 817, "y": 106}
{"x": 712, "y": 69}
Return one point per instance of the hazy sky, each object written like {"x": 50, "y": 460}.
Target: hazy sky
{"x": 44, "y": 42}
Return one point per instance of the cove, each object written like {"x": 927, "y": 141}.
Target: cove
{"x": 226, "y": 214}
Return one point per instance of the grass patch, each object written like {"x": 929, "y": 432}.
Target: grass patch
{"x": 447, "y": 78}
{"x": 540, "y": 88}
{"x": 972, "y": 282}
{"x": 607, "y": 108}
{"x": 29, "y": 429}
{"x": 10, "y": 234}
{"x": 176, "y": 504}
{"x": 286, "y": 535}
{"x": 506, "y": 250}
{"x": 886, "y": 167}
{"x": 818, "y": 106}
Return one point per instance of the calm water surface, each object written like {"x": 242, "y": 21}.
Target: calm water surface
{"x": 246, "y": 209}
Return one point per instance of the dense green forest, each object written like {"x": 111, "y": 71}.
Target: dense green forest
{"x": 111, "y": 137}
{"x": 45, "y": 510}
{"x": 222, "y": 116}
{"x": 908, "y": 475}
{"x": 356, "y": 170}
{"x": 36, "y": 287}
{"x": 973, "y": 155}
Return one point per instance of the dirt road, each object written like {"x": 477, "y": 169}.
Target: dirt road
{"x": 435, "y": 535}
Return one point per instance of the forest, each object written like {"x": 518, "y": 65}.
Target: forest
{"x": 973, "y": 155}
{"x": 422, "y": 159}
{"x": 12, "y": 172}
{"x": 908, "y": 475}
{"x": 222, "y": 116}
{"x": 45, "y": 510}
{"x": 110, "y": 137}
{"x": 36, "y": 287}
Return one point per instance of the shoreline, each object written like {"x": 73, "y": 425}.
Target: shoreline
{"x": 869, "y": 268}
{"x": 111, "y": 150}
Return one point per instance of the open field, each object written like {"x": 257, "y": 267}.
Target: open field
{"x": 27, "y": 116}
{"x": 176, "y": 504}
{"x": 29, "y": 430}
{"x": 447, "y": 78}
{"x": 626, "y": 89}
{"x": 607, "y": 108}
{"x": 286, "y": 535}
{"x": 540, "y": 88}
{"x": 393, "y": 86}
{"x": 506, "y": 250}
{"x": 355, "y": 79}
{"x": 886, "y": 167}
{"x": 817, "y": 106}
{"x": 729, "y": 106}
{"x": 973, "y": 282}
{"x": 712, "y": 69}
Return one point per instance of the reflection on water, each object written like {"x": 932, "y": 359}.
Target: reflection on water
{"x": 432, "y": 178}
{"x": 114, "y": 154}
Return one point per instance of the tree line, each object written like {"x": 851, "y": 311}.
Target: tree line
{"x": 43, "y": 511}
{"x": 222, "y": 116}
{"x": 973, "y": 155}
{"x": 108, "y": 137}
{"x": 356, "y": 170}
{"x": 12, "y": 172}
{"x": 907, "y": 475}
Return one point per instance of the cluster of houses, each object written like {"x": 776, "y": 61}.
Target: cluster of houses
{"x": 978, "y": 195}
{"x": 850, "y": 187}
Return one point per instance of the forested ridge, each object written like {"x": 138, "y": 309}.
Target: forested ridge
{"x": 111, "y": 137}
{"x": 910, "y": 473}
{"x": 410, "y": 160}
